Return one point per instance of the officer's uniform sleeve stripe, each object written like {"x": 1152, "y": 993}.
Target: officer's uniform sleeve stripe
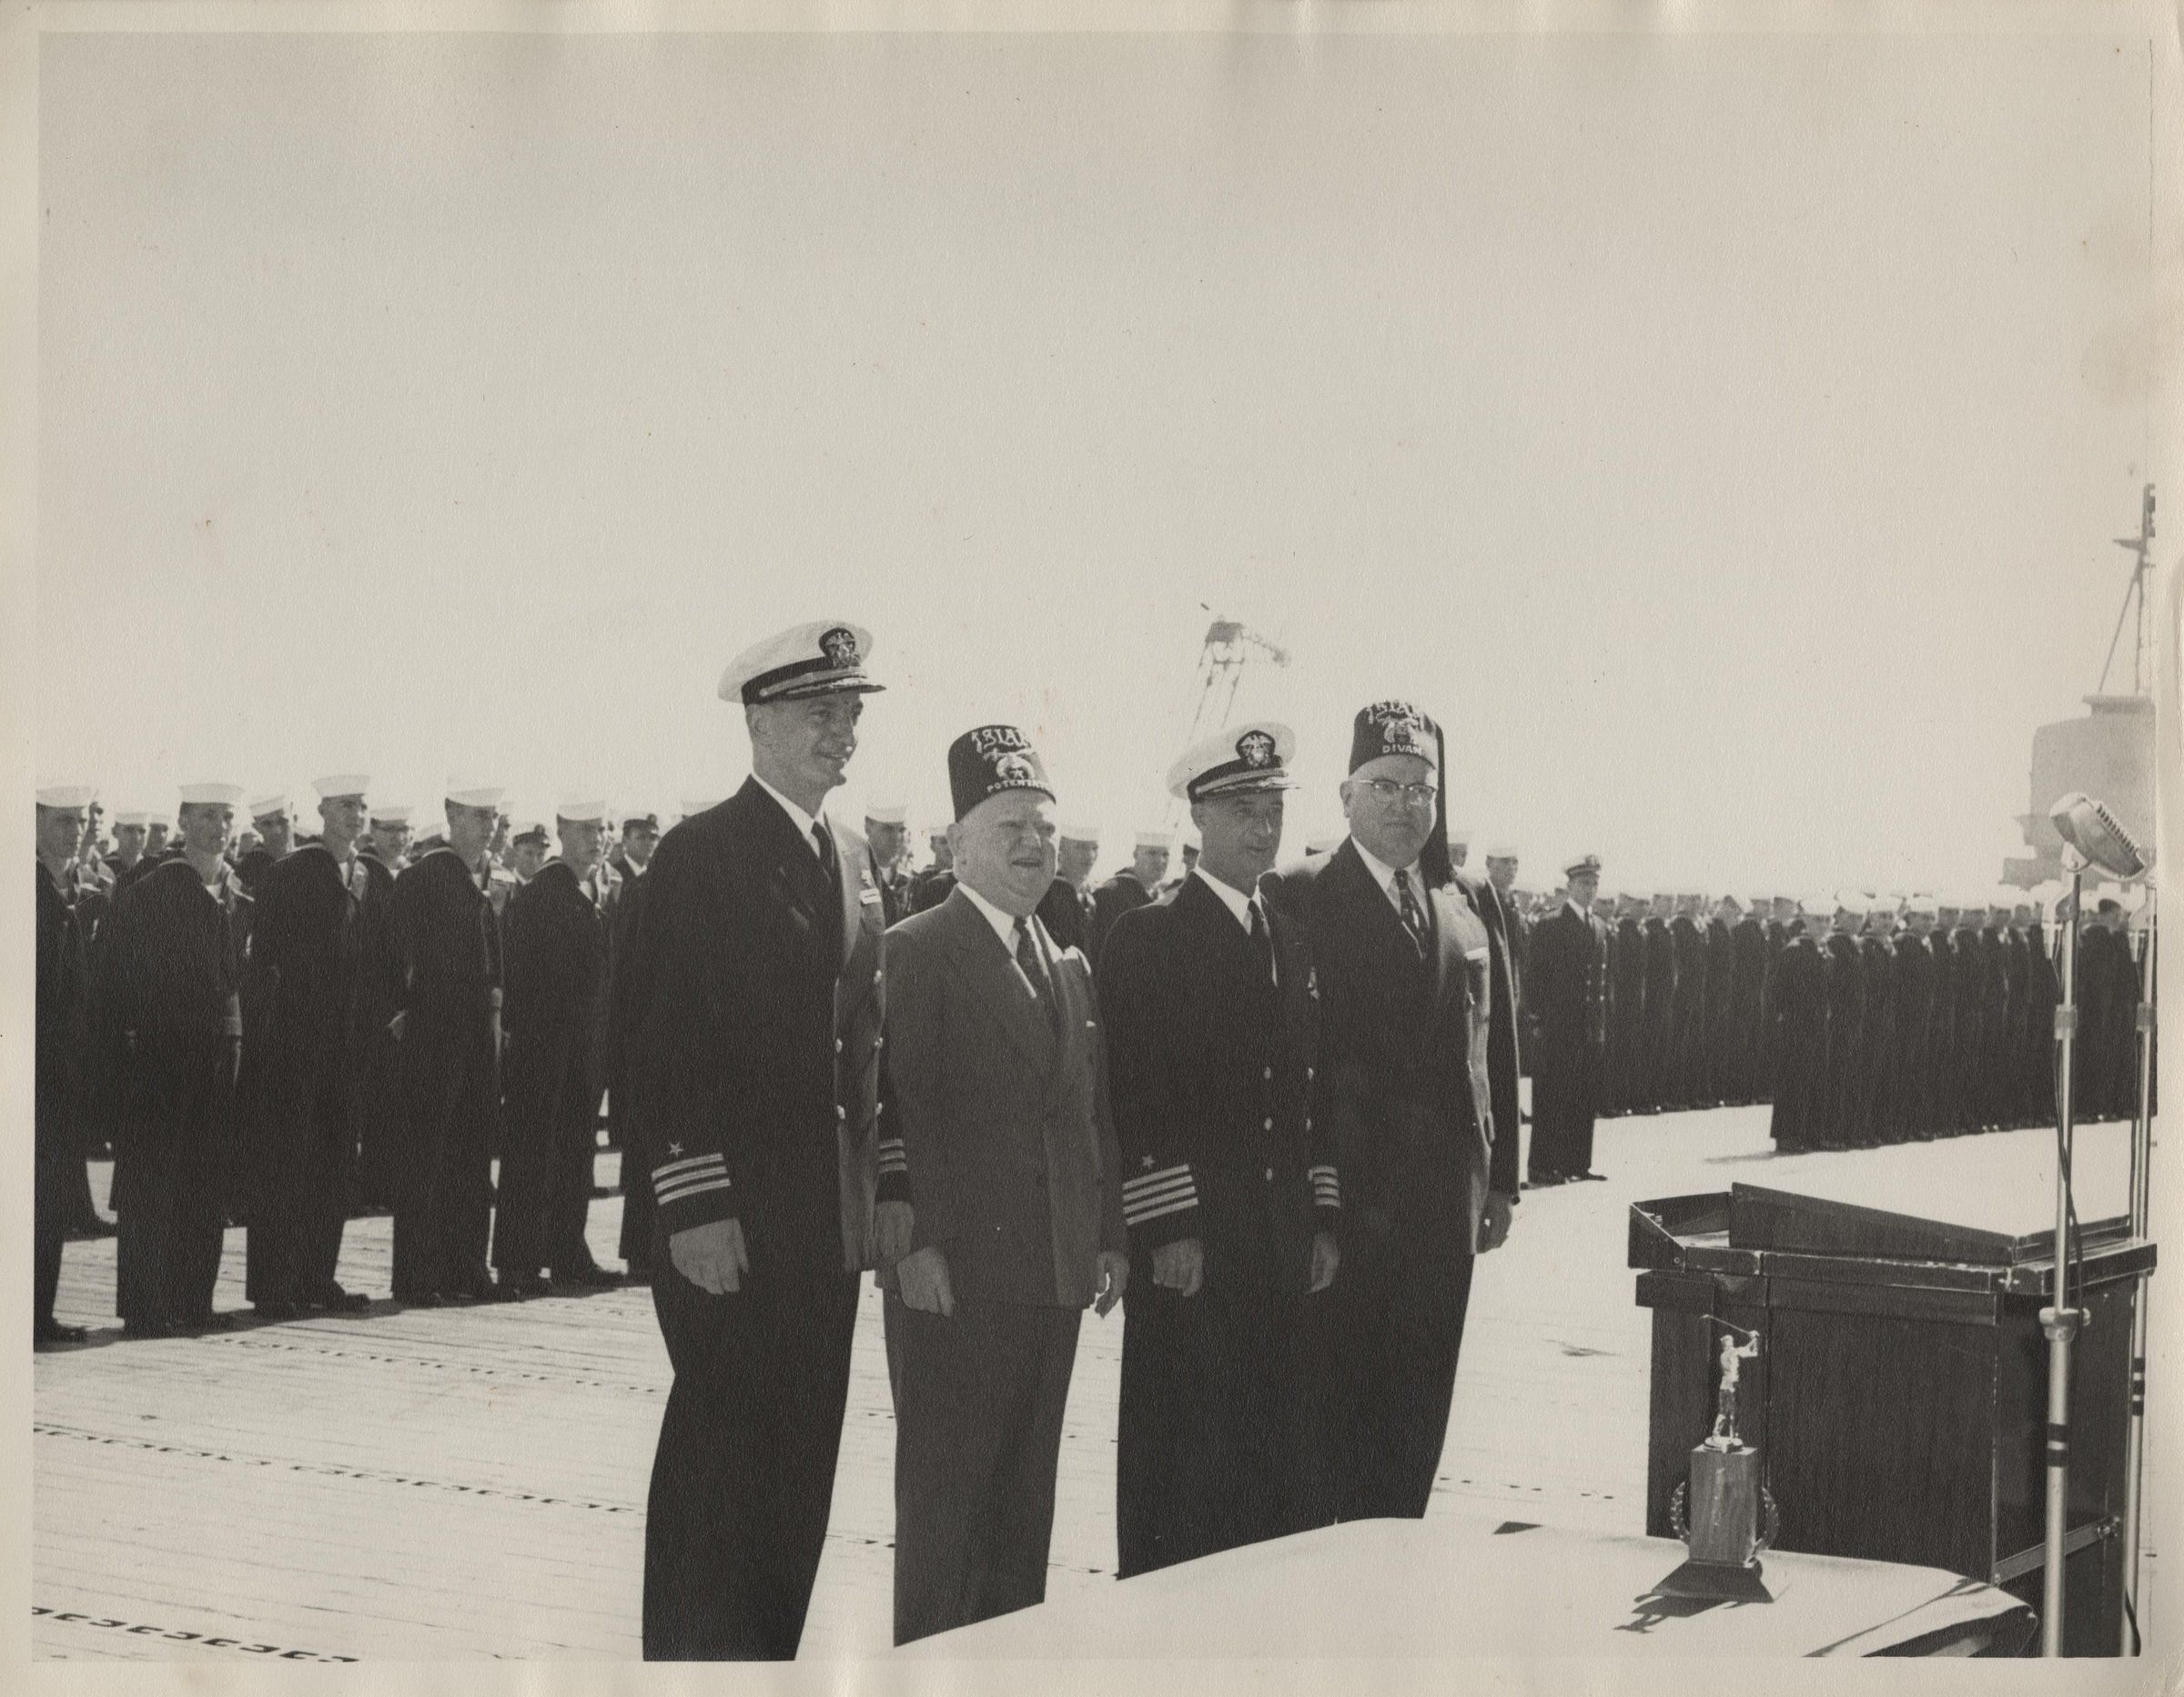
{"x": 1151, "y": 1181}
{"x": 893, "y": 1157}
{"x": 1143, "y": 1216}
{"x": 1151, "y": 1205}
{"x": 683, "y": 1192}
{"x": 1327, "y": 1187}
{"x": 1160, "y": 1193}
{"x": 695, "y": 1161}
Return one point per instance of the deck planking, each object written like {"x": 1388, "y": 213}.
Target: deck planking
{"x": 470, "y": 1481}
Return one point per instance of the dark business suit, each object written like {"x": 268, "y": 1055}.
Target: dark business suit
{"x": 1571, "y": 998}
{"x": 1212, "y": 1046}
{"x": 755, "y": 996}
{"x": 1405, "y": 1089}
{"x": 999, "y": 1135}
{"x": 556, "y": 975}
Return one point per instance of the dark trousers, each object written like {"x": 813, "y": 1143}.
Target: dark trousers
{"x": 549, "y": 1138}
{"x": 170, "y": 1175}
{"x": 52, "y": 1214}
{"x": 381, "y": 1114}
{"x": 300, "y": 1205}
{"x": 1565, "y": 1086}
{"x": 744, "y": 1472}
{"x": 978, "y": 1401}
{"x": 1211, "y": 1450}
{"x": 1383, "y": 1357}
{"x": 444, "y": 1210}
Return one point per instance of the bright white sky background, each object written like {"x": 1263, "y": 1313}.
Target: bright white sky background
{"x": 1724, "y": 437}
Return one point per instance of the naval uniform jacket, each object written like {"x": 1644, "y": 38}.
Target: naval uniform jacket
{"x": 755, "y": 996}
{"x": 998, "y": 1130}
{"x": 1213, "y": 1064}
{"x": 1403, "y": 1044}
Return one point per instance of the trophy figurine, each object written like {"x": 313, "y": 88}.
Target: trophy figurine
{"x": 1719, "y": 1510}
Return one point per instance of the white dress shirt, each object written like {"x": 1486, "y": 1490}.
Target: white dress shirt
{"x": 804, "y": 822}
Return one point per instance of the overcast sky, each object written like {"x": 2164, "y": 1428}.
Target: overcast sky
{"x": 1723, "y": 437}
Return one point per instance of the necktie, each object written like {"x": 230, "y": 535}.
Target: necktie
{"x": 1035, "y": 969}
{"x": 1414, "y": 916}
{"x": 825, "y": 845}
{"x": 1263, "y": 945}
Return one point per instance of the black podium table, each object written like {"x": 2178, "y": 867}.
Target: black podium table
{"x": 1465, "y": 1589}
{"x": 1899, "y": 1398}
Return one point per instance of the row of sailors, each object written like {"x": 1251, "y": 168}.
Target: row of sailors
{"x": 352, "y": 1025}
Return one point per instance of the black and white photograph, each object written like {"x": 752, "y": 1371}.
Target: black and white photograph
{"x": 968, "y": 842}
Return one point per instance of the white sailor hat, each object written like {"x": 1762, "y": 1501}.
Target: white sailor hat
{"x": 1080, "y": 831}
{"x": 469, "y": 792}
{"x": 1325, "y": 845}
{"x": 67, "y": 796}
{"x": 690, "y": 810}
{"x": 1502, "y": 848}
{"x": 266, "y": 806}
{"x": 390, "y": 813}
{"x": 1239, "y": 760}
{"x": 341, "y": 783}
{"x": 211, "y": 794}
{"x": 1460, "y": 833}
{"x": 1923, "y": 904}
{"x": 577, "y": 811}
{"x": 888, "y": 814}
{"x": 821, "y": 657}
{"x": 134, "y": 816}
{"x": 1639, "y": 894}
{"x": 1151, "y": 838}
{"x": 1850, "y": 902}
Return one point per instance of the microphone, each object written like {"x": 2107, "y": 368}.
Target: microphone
{"x": 2097, "y": 835}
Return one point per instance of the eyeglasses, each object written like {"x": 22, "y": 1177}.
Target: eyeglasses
{"x": 1389, "y": 792}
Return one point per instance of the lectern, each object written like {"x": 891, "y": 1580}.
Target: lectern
{"x": 1899, "y": 1400}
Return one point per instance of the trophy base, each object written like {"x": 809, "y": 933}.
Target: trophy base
{"x": 1715, "y": 1581}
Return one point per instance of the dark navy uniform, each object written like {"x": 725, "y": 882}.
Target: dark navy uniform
{"x": 755, "y": 1001}
{"x": 555, "y": 980}
{"x": 1212, "y": 1036}
{"x": 1571, "y": 994}
{"x": 1111, "y": 900}
{"x": 171, "y": 1014}
{"x": 63, "y": 998}
{"x": 300, "y": 1128}
{"x": 1797, "y": 1009}
{"x": 451, "y": 994}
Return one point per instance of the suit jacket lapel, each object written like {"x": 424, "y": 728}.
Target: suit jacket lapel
{"x": 1448, "y": 945}
{"x": 855, "y": 876}
{"x": 988, "y": 966}
{"x": 1364, "y": 890}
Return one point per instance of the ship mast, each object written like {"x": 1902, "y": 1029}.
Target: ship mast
{"x": 2134, "y": 600}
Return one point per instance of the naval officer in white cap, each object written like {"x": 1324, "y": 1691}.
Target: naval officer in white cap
{"x": 752, "y": 1024}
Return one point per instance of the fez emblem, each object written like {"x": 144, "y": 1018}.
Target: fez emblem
{"x": 1255, "y": 749}
{"x": 1013, "y": 769}
{"x": 987, "y": 739}
{"x": 839, "y": 645}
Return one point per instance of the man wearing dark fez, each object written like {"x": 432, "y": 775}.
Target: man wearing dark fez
{"x": 301, "y": 1128}
{"x": 1231, "y": 1193}
{"x": 555, "y": 981}
{"x": 998, "y": 1133}
{"x": 1571, "y": 997}
{"x": 170, "y": 1011}
{"x": 1429, "y": 1181}
{"x": 753, "y": 1010}
{"x": 449, "y": 1024}
{"x": 64, "y": 993}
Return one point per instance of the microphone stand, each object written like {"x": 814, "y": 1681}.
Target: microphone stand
{"x": 2128, "y": 1634}
{"x": 2058, "y": 1322}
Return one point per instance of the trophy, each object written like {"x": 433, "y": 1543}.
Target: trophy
{"x": 1724, "y": 1512}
